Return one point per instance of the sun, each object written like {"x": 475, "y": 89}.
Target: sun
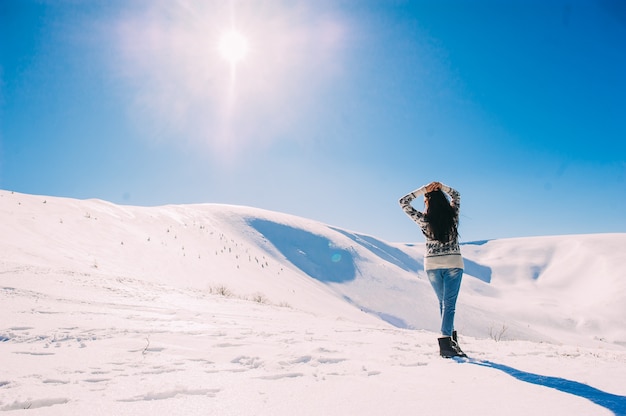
{"x": 233, "y": 46}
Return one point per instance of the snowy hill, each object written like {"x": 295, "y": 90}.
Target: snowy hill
{"x": 155, "y": 310}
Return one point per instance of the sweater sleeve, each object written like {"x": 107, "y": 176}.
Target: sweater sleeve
{"x": 455, "y": 196}
{"x": 405, "y": 203}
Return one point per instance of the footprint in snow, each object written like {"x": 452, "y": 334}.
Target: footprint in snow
{"x": 172, "y": 393}
{"x": 250, "y": 362}
{"x": 328, "y": 360}
{"x": 279, "y": 376}
{"x": 34, "y": 404}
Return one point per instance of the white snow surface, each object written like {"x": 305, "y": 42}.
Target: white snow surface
{"x": 226, "y": 310}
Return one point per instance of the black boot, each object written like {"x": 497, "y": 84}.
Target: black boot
{"x": 448, "y": 348}
{"x": 457, "y": 347}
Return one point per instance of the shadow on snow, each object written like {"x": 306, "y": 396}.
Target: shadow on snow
{"x": 612, "y": 402}
{"x": 314, "y": 254}
{"x": 384, "y": 251}
{"x": 477, "y": 270}
{"x": 390, "y": 319}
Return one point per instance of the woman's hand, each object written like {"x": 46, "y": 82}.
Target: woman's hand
{"x": 433, "y": 186}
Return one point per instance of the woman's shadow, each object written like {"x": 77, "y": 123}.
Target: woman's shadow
{"x": 612, "y": 402}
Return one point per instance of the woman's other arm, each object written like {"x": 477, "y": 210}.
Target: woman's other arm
{"x": 405, "y": 203}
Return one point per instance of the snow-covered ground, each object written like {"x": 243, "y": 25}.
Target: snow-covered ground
{"x": 227, "y": 310}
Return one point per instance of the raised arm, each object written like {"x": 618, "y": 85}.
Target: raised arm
{"x": 455, "y": 196}
{"x": 405, "y": 203}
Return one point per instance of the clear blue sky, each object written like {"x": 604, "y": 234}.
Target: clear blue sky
{"x": 338, "y": 109}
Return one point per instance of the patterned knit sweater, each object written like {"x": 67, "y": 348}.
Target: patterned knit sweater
{"x": 438, "y": 255}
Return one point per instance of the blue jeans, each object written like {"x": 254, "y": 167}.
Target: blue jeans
{"x": 446, "y": 283}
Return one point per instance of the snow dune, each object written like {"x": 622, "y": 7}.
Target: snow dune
{"x": 216, "y": 309}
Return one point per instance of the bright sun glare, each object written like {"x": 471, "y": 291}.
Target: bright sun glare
{"x": 233, "y": 46}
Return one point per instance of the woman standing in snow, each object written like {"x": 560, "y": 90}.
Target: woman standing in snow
{"x": 443, "y": 262}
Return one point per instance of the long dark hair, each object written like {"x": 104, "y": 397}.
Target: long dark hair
{"x": 441, "y": 218}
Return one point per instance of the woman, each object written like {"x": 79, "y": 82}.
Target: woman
{"x": 443, "y": 262}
